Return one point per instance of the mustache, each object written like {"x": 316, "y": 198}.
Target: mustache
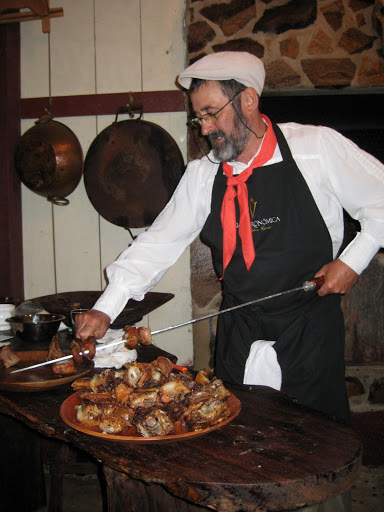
{"x": 214, "y": 135}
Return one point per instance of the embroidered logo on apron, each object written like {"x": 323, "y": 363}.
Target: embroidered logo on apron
{"x": 262, "y": 224}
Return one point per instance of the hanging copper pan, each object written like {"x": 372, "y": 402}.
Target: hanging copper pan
{"x": 49, "y": 160}
{"x": 130, "y": 172}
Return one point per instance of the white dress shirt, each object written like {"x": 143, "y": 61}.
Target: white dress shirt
{"x": 338, "y": 173}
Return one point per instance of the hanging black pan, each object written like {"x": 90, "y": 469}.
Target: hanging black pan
{"x": 131, "y": 170}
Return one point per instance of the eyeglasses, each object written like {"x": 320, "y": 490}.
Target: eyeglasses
{"x": 210, "y": 118}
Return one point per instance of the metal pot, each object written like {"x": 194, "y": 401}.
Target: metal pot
{"x": 130, "y": 172}
{"x": 49, "y": 160}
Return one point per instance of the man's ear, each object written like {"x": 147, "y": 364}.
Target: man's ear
{"x": 249, "y": 100}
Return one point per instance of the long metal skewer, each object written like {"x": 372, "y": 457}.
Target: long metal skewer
{"x": 314, "y": 284}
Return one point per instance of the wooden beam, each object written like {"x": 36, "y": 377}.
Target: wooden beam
{"x": 11, "y": 244}
{"x": 103, "y": 104}
{"x": 17, "y": 17}
{"x": 39, "y": 7}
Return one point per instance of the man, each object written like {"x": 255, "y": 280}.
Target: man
{"x": 269, "y": 202}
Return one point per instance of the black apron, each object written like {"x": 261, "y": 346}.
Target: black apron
{"x": 292, "y": 243}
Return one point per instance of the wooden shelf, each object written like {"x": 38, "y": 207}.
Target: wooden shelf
{"x": 38, "y": 10}
{"x": 103, "y": 104}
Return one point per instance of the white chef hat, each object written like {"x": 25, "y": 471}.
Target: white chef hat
{"x": 241, "y": 66}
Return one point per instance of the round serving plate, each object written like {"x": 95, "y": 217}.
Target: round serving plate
{"x": 37, "y": 379}
{"x": 68, "y": 415}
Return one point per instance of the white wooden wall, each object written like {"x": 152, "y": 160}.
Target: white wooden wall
{"x": 101, "y": 46}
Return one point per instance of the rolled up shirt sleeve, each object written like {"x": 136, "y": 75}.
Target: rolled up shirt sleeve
{"x": 340, "y": 175}
{"x": 357, "y": 179}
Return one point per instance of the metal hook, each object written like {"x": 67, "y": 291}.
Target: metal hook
{"x": 129, "y": 108}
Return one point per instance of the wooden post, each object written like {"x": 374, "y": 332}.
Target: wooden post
{"x": 11, "y": 246}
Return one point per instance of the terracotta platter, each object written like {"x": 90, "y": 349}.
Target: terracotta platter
{"x": 68, "y": 414}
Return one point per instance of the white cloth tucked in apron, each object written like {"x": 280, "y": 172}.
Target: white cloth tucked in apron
{"x": 262, "y": 367}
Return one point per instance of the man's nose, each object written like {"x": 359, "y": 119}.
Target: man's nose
{"x": 206, "y": 127}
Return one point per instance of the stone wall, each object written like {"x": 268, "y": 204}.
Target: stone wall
{"x": 304, "y": 44}
{"x": 307, "y": 47}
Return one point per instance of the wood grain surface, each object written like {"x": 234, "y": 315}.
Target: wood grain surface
{"x": 276, "y": 454}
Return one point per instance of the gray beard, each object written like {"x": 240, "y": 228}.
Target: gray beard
{"x": 233, "y": 145}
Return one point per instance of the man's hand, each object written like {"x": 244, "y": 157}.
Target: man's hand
{"x": 339, "y": 278}
{"x": 92, "y": 323}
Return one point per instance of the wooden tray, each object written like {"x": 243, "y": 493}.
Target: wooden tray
{"x": 37, "y": 379}
{"x": 68, "y": 415}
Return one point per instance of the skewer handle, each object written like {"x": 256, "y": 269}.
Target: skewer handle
{"x": 314, "y": 284}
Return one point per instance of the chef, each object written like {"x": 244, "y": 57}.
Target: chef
{"x": 268, "y": 200}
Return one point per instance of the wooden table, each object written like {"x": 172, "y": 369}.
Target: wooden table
{"x": 275, "y": 455}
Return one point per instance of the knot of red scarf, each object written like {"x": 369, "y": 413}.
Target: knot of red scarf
{"x": 228, "y": 212}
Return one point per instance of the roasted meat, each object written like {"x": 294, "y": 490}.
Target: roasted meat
{"x": 148, "y": 375}
{"x": 103, "y": 382}
{"x": 205, "y": 414}
{"x": 151, "y": 399}
{"x": 117, "y": 421}
{"x": 64, "y": 367}
{"x": 83, "y": 350}
{"x": 164, "y": 365}
{"x": 134, "y": 336}
{"x": 54, "y": 350}
{"x": 8, "y": 357}
{"x": 133, "y": 373}
{"x": 153, "y": 423}
{"x": 202, "y": 393}
{"x": 75, "y": 347}
{"x": 123, "y": 391}
{"x": 82, "y": 384}
{"x": 89, "y": 414}
{"x": 203, "y": 377}
{"x": 88, "y": 348}
{"x": 144, "y": 399}
{"x": 145, "y": 337}
{"x": 173, "y": 391}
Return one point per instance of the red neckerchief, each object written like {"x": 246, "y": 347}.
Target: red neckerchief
{"x": 228, "y": 214}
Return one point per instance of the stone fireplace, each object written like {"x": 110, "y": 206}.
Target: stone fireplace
{"x": 324, "y": 65}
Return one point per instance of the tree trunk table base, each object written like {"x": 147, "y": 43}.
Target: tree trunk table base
{"x": 125, "y": 494}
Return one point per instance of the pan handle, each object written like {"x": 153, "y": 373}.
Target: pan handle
{"x": 59, "y": 201}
